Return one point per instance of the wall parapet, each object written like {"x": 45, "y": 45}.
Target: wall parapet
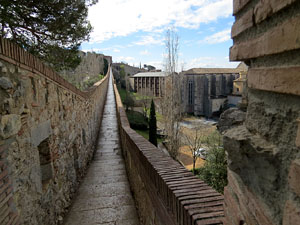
{"x": 48, "y": 131}
{"x": 264, "y": 151}
{"x": 165, "y": 192}
{"x": 14, "y": 54}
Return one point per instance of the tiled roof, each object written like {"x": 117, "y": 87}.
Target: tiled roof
{"x": 238, "y": 69}
{"x": 151, "y": 74}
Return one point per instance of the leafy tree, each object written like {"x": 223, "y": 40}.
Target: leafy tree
{"x": 105, "y": 69}
{"x": 149, "y": 67}
{"x": 51, "y": 30}
{"x": 214, "y": 171}
{"x": 123, "y": 76}
{"x": 152, "y": 125}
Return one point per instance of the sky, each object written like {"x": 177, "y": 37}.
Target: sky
{"x": 134, "y": 31}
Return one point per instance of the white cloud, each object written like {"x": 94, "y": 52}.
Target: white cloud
{"x": 210, "y": 62}
{"x": 116, "y": 50}
{"x": 114, "y": 18}
{"x": 218, "y": 37}
{"x": 127, "y": 59}
{"x": 149, "y": 40}
{"x": 97, "y": 50}
{"x": 146, "y": 52}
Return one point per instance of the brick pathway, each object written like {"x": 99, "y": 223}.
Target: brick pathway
{"x": 104, "y": 196}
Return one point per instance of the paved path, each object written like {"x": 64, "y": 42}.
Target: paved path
{"x": 104, "y": 196}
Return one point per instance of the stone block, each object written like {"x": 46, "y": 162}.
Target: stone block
{"x": 281, "y": 38}
{"x": 231, "y": 117}
{"x": 242, "y": 24}
{"x": 5, "y": 83}
{"x": 232, "y": 211}
{"x": 298, "y": 134}
{"x": 294, "y": 176}
{"x": 291, "y": 214}
{"x": 9, "y": 125}
{"x": 40, "y": 133}
{"x": 282, "y": 80}
{"x": 238, "y": 5}
{"x": 265, "y": 9}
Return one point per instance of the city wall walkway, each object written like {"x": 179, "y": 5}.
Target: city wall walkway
{"x": 104, "y": 196}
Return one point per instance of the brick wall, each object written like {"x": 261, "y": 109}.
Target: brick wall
{"x": 47, "y": 134}
{"x": 263, "y": 152}
{"x": 165, "y": 192}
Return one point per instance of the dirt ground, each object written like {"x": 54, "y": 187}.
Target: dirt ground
{"x": 185, "y": 157}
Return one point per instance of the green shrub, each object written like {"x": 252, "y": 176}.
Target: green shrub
{"x": 137, "y": 120}
{"x": 214, "y": 171}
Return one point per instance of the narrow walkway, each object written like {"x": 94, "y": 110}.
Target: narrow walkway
{"x": 104, "y": 196}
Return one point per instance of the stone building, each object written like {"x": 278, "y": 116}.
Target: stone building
{"x": 150, "y": 83}
{"x": 204, "y": 90}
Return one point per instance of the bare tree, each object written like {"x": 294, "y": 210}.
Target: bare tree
{"x": 146, "y": 94}
{"x": 196, "y": 143}
{"x": 172, "y": 96}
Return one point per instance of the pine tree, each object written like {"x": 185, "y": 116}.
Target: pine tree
{"x": 152, "y": 125}
{"x": 51, "y": 30}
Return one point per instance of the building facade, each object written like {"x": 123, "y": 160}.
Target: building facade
{"x": 205, "y": 90}
{"x": 150, "y": 83}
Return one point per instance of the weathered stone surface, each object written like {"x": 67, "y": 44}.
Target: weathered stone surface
{"x": 265, "y": 9}
{"x": 5, "y": 83}
{"x": 238, "y": 5}
{"x": 291, "y": 214}
{"x": 278, "y": 39}
{"x": 242, "y": 24}
{"x": 39, "y": 105}
{"x": 231, "y": 117}
{"x": 282, "y": 80}
{"x": 264, "y": 152}
{"x": 40, "y": 133}
{"x": 294, "y": 176}
{"x": 9, "y": 125}
{"x": 298, "y": 134}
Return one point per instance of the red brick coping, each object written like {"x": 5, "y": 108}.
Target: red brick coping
{"x": 14, "y": 54}
{"x": 176, "y": 194}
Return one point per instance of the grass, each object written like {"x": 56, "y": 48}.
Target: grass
{"x": 138, "y": 96}
{"x": 159, "y": 117}
{"x": 122, "y": 93}
{"x": 145, "y": 134}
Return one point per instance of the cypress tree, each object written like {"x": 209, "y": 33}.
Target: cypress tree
{"x": 152, "y": 125}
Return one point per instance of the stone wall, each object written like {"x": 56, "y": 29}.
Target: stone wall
{"x": 264, "y": 151}
{"x": 164, "y": 191}
{"x": 47, "y": 133}
{"x": 91, "y": 65}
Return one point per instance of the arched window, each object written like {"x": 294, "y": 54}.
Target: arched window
{"x": 191, "y": 92}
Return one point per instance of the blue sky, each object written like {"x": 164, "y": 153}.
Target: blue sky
{"x": 133, "y": 31}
